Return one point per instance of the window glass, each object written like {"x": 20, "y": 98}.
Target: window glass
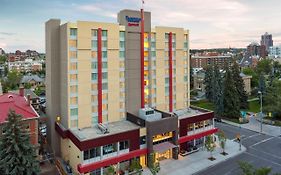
{"x": 94, "y": 76}
{"x": 73, "y": 32}
{"x": 94, "y": 32}
{"x": 104, "y": 54}
{"x": 74, "y": 111}
{"x": 122, "y": 34}
{"x": 104, "y": 33}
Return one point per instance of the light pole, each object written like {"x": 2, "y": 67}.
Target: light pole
{"x": 261, "y": 114}
{"x": 240, "y": 138}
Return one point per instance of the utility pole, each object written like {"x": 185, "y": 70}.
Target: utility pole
{"x": 261, "y": 114}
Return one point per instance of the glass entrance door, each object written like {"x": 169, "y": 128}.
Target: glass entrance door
{"x": 165, "y": 155}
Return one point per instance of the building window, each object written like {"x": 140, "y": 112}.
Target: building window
{"x": 104, "y": 43}
{"x": 122, "y": 34}
{"x": 104, "y": 33}
{"x": 153, "y": 53}
{"x": 104, "y": 75}
{"x": 73, "y": 66}
{"x": 73, "y": 32}
{"x": 96, "y": 172}
{"x": 94, "y": 76}
{"x": 74, "y": 112}
{"x": 104, "y": 65}
{"x": 94, "y": 44}
{"x": 123, "y": 145}
{"x": 72, "y": 54}
{"x": 92, "y": 153}
{"x": 122, "y": 44}
{"x": 104, "y": 54}
{"x": 121, "y": 54}
{"x": 73, "y": 43}
{"x": 110, "y": 148}
{"x": 74, "y": 100}
{"x": 73, "y": 89}
{"x": 94, "y": 33}
{"x": 73, "y": 77}
{"x": 166, "y": 36}
{"x": 94, "y": 65}
{"x": 104, "y": 86}
{"x": 94, "y": 54}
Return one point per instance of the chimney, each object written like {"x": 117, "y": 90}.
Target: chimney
{"x": 28, "y": 99}
{"x": 21, "y": 91}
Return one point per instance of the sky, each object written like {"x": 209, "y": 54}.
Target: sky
{"x": 212, "y": 23}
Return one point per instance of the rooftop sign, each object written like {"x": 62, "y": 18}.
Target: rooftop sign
{"x": 133, "y": 21}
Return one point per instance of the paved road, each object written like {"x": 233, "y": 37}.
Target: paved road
{"x": 262, "y": 150}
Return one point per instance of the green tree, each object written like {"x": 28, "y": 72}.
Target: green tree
{"x": 208, "y": 82}
{"x": 3, "y": 59}
{"x": 264, "y": 66}
{"x": 239, "y": 85}
{"x": 135, "y": 166}
{"x": 272, "y": 99}
{"x": 210, "y": 146}
{"x": 17, "y": 155}
{"x": 222, "y": 141}
{"x": 153, "y": 166}
{"x": 218, "y": 92}
{"x": 230, "y": 97}
{"x": 13, "y": 80}
{"x": 248, "y": 169}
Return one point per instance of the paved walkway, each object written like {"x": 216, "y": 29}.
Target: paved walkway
{"x": 198, "y": 161}
{"x": 255, "y": 125}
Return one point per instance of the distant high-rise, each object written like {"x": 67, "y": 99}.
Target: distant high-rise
{"x": 266, "y": 40}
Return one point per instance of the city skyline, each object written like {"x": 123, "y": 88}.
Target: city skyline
{"x": 212, "y": 24}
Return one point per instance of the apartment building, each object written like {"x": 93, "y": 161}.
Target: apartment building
{"x": 205, "y": 59}
{"x": 27, "y": 65}
{"x": 118, "y": 91}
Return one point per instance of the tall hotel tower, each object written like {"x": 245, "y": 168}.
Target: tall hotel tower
{"x": 118, "y": 91}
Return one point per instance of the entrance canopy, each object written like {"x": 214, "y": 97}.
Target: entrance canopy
{"x": 162, "y": 147}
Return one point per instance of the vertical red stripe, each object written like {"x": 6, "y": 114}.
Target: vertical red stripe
{"x": 142, "y": 58}
{"x": 170, "y": 72}
{"x": 99, "y": 75}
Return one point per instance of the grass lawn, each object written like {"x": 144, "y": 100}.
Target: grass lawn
{"x": 204, "y": 104}
{"x": 254, "y": 106}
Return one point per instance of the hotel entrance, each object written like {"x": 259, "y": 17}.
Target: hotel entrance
{"x": 164, "y": 155}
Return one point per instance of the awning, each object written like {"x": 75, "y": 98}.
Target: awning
{"x": 162, "y": 147}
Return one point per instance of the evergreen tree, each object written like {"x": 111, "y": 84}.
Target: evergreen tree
{"x": 240, "y": 87}
{"x": 17, "y": 155}
{"x": 208, "y": 82}
{"x": 218, "y": 91}
{"x": 230, "y": 97}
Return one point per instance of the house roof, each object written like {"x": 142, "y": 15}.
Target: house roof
{"x": 17, "y": 103}
{"x": 28, "y": 78}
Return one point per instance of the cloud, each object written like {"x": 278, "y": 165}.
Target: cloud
{"x": 97, "y": 9}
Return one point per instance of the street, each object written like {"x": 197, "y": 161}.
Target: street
{"x": 262, "y": 151}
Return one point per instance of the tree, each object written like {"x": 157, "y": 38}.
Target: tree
{"x": 272, "y": 99}
{"x": 13, "y": 80}
{"x": 248, "y": 169}
{"x": 239, "y": 85}
{"x": 264, "y": 66}
{"x": 210, "y": 146}
{"x": 135, "y": 166}
{"x": 230, "y": 97}
{"x": 17, "y": 155}
{"x": 153, "y": 166}
{"x": 218, "y": 92}
{"x": 208, "y": 82}
{"x": 110, "y": 170}
{"x": 222, "y": 141}
{"x": 3, "y": 59}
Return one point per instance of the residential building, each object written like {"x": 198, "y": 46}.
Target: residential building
{"x": 33, "y": 80}
{"x": 254, "y": 49}
{"x": 205, "y": 59}
{"x": 33, "y": 98}
{"x": 267, "y": 41}
{"x": 247, "y": 83}
{"x": 275, "y": 51}
{"x": 27, "y": 65}
{"x": 2, "y": 52}
{"x": 116, "y": 91}
{"x": 21, "y": 105}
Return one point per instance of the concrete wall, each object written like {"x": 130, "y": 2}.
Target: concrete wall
{"x": 52, "y": 38}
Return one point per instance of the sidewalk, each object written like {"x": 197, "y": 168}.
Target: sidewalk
{"x": 255, "y": 125}
{"x": 198, "y": 161}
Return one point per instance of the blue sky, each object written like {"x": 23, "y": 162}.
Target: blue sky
{"x": 212, "y": 23}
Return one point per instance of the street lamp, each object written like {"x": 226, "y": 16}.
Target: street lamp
{"x": 261, "y": 114}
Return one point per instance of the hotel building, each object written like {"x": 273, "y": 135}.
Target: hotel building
{"x": 117, "y": 91}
